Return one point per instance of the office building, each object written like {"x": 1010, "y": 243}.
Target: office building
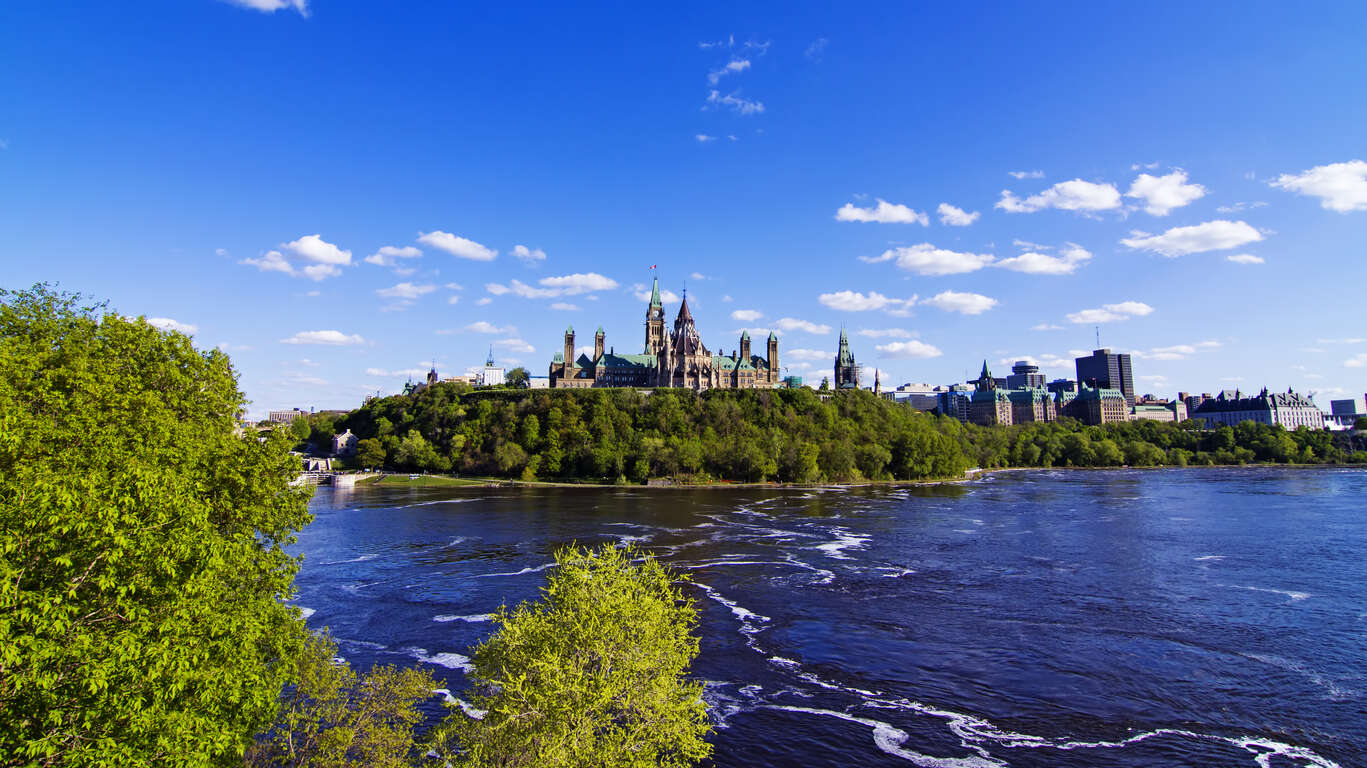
{"x": 1105, "y": 369}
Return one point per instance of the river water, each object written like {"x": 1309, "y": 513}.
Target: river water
{"x": 1046, "y": 618}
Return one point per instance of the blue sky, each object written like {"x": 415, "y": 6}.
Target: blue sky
{"x": 340, "y": 192}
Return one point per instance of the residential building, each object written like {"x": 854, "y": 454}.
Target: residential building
{"x": 344, "y": 444}
{"x": 674, "y": 359}
{"x": 1105, "y": 369}
{"x": 1288, "y": 410}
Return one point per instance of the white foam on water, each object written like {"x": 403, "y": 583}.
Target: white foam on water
{"x": 305, "y": 613}
{"x": 465, "y": 706}
{"x": 458, "y": 540}
{"x": 472, "y": 618}
{"x": 535, "y": 569}
{"x": 895, "y": 573}
{"x": 1293, "y": 596}
{"x": 782, "y": 662}
{"x": 355, "y": 588}
{"x": 890, "y": 739}
{"x": 358, "y": 559}
{"x": 1204, "y": 558}
{"x": 1336, "y": 692}
{"x": 437, "y": 501}
{"x": 843, "y": 540}
{"x": 361, "y": 644}
{"x": 447, "y": 659}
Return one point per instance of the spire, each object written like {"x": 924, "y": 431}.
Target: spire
{"x": 745, "y": 334}
{"x": 655, "y": 293}
{"x": 684, "y": 313}
{"x": 490, "y": 362}
{"x": 986, "y": 374}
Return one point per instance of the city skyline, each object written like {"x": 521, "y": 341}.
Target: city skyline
{"x": 950, "y": 186}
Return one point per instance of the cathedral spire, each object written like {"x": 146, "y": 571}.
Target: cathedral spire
{"x": 655, "y": 294}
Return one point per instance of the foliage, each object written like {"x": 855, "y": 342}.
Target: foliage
{"x": 1360, "y": 423}
{"x": 607, "y": 434}
{"x": 592, "y": 677}
{"x": 300, "y": 428}
{"x": 518, "y": 378}
{"x": 141, "y": 545}
{"x": 331, "y": 718}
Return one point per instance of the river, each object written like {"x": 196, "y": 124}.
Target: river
{"x": 1198, "y": 617}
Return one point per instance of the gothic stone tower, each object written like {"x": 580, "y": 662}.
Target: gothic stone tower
{"x": 772, "y": 358}
{"x": 686, "y": 362}
{"x": 569, "y": 353}
{"x": 846, "y": 373}
{"x": 655, "y": 322}
{"x": 745, "y": 346}
{"x": 598, "y": 344}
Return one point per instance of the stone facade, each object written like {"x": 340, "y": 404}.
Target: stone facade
{"x": 1288, "y": 410}
{"x": 846, "y": 371}
{"x": 676, "y": 358}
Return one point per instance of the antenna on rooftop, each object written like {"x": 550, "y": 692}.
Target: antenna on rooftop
{"x": 1098, "y": 337}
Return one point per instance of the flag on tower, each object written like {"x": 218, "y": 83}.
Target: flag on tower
{"x": 652, "y": 266}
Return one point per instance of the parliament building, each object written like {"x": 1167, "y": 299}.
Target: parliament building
{"x": 675, "y": 358}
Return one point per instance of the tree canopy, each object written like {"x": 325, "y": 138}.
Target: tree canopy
{"x": 593, "y": 676}
{"x": 141, "y": 545}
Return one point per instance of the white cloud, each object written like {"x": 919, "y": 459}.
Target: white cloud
{"x": 747, "y": 315}
{"x": 314, "y": 249}
{"x": 955, "y": 217}
{"x": 554, "y": 287}
{"x": 271, "y": 6}
{"x": 816, "y": 49}
{"x": 1244, "y": 258}
{"x": 482, "y": 326}
{"x": 880, "y": 333}
{"x": 388, "y": 256}
{"x": 454, "y": 287}
{"x": 883, "y": 213}
{"x": 580, "y": 282}
{"x": 167, "y": 324}
{"x": 808, "y": 354}
{"x": 516, "y": 346}
{"x": 908, "y": 349}
{"x": 220, "y": 251}
{"x": 405, "y": 291}
{"x": 1356, "y": 361}
{"x": 1046, "y": 327}
{"x": 1026, "y": 174}
{"x": 963, "y": 303}
{"x": 853, "y": 301}
{"x": 727, "y": 298}
{"x": 1075, "y": 195}
{"x": 564, "y": 306}
{"x": 1068, "y": 260}
{"x": 696, "y": 276}
{"x": 1137, "y": 166}
{"x": 274, "y": 261}
{"x": 329, "y": 338}
{"x": 1215, "y": 235}
{"x": 794, "y": 324}
{"x": 1236, "y": 207}
{"x": 453, "y": 300}
{"x": 704, "y": 138}
{"x": 457, "y": 246}
{"x": 1161, "y": 194}
{"x": 736, "y": 103}
{"x": 1340, "y": 187}
{"x": 926, "y": 259}
{"x": 484, "y": 302}
{"x": 734, "y": 66}
{"x": 1110, "y": 313}
{"x": 529, "y": 254}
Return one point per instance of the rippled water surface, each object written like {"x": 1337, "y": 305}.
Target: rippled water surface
{"x": 1122, "y": 618}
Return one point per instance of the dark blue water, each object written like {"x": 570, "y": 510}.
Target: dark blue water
{"x": 1120, "y": 618}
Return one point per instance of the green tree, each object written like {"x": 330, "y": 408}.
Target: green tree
{"x": 591, "y": 677}
{"x": 370, "y": 453}
{"x": 142, "y": 556}
{"x": 301, "y": 429}
{"x": 518, "y": 378}
{"x": 333, "y": 718}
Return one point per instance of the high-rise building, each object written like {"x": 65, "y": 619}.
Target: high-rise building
{"x": 1024, "y": 375}
{"x": 1105, "y": 369}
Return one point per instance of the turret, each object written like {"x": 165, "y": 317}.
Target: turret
{"x": 569, "y": 352}
{"x": 772, "y": 358}
{"x": 655, "y": 321}
{"x": 598, "y": 338}
{"x": 745, "y": 346}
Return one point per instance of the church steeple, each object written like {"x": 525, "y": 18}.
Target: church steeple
{"x": 846, "y": 372}
{"x": 655, "y": 294}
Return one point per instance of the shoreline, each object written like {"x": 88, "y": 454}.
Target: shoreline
{"x": 444, "y": 481}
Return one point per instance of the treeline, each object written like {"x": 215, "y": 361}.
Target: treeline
{"x": 1069, "y": 443}
{"x": 794, "y": 436}
{"x": 628, "y": 436}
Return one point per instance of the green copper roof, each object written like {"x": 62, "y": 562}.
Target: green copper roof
{"x": 655, "y": 293}
{"x": 599, "y": 331}
{"x": 986, "y": 374}
{"x": 569, "y": 329}
{"x": 745, "y": 334}
{"x": 772, "y": 337}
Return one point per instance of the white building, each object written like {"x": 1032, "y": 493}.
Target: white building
{"x": 490, "y": 375}
{"x": 344, "y": 444}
